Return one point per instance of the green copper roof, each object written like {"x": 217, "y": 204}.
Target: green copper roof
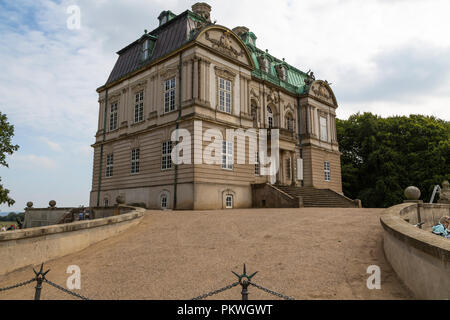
{"x": 295, "y": 80}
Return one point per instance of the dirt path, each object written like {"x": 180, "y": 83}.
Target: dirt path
{"x": 304, "y": 253}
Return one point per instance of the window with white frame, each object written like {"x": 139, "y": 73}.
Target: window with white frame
{"x": 269, "y": 117}
{"x": 257, "y": 167}
{"x": 225, "y": 95}
{"x": 169, "y": 95}
{"x": 163, "y": 201}
{"x": 166, "y": 159}
{"x": 139, "y": 107}
{"x": 323, "y": 129}
{"x": 113, "y": 117}
{"x": 109, "y": 165}
{"x": 227, "y": 155}
{"x": 326, "y": 170}
{"x": 229, "y": 201}
{"x": 135, "y": 160}
{"x": 146, "y": 49}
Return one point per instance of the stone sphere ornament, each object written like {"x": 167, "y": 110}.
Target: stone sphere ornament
{"x": 52, "y": 203}
{"x": 412, "y": 193}
{"x": 29, "y": 204}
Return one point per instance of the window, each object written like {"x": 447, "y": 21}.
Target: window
{"x": 326, "y": 169}
{"x": 290, "y": 123}
{"x": 163, "y": 201}
{"x": 166, "y": 160}
{"x": 288, "y": 168}
{"x": 227, "y": 155}
{"x": 106, "y": 202}
{"x": 146, "y": 50}
{"x": 224, "y": 95}
{"x": 109, "y": 165}
{"x": 169, "y": 95}
{"x": 269, "y": 117}
{"x": 257, "y": 168}
{"x": 323, "y": 129}
{"x": 135, "y": 160}
{"x": 113, "y": 117}
{"x": 139, "y": 107}
{"x": 229, "y": 201}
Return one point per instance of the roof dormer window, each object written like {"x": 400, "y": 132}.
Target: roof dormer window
{"x": 264, "y": 63}
{"x": 165, "y": 17}
{"x": 148, "y": 44}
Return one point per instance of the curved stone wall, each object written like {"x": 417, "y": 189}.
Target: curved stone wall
{"x": 33, "y": 246}
{"x": 420, "y": 258}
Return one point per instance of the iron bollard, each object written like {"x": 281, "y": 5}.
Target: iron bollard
{"x": 244, "y": 281}
{"x": 40, "y": 277}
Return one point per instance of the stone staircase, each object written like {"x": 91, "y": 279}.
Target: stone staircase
{"x": 313, "y": 197}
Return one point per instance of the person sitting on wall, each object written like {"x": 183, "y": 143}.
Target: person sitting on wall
{"x": 3, "y": 229}
{"x": 441, "y": 228}
{"x": 11, "y": 227}
{"x": 81, "y": 216}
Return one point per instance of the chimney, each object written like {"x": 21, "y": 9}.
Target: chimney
{"x": 203, "y": 10}
{"x": 240, "y": 31}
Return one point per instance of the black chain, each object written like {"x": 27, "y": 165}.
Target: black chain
{"x": 21, "y": 284}
{"x": 282, "y": 296}
{"x": 65, "y": 290}
{"x": 216, "y": 291}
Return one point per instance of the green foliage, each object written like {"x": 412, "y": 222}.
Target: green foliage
{"x": 6, "y": 148}
{"x": 383, "y": 156}
{"x": 12, "y": 216}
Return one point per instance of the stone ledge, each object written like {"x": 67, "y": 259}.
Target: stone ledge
{"x": 68, "y": 227}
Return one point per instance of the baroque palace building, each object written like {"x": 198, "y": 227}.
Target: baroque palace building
{"x": 189, "y": 70}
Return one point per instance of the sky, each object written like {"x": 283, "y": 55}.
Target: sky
{"x": 389, "y": 57}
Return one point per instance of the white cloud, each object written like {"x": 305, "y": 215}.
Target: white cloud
{"x": 32, "y": 162}
{"x": 52, "y": 145}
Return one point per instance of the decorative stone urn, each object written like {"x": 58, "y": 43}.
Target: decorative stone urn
{"x": 52, "y": 203}
{"x": 29, "y": 204}
{"x": 412, "y": 193}
{"x": 444, "y": 195}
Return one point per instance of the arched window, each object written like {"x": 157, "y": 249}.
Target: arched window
{"x": 269, "y": 117}
{"x": 229, "y": 201}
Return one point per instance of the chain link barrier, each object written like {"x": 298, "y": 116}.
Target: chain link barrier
{"x": 65, "y": 290}
{"x": 282, "y": 296}
{"x": 209, "y": 294}
{"x": 21, "y": 284}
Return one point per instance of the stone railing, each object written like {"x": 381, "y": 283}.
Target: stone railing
{"x": 420, "y": 258}
{"x": 33, "y": 246}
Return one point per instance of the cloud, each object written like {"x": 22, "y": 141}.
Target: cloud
{"x": 32, "y": 162}
{"x": 52, "y": 145}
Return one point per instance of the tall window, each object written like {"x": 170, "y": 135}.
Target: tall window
{"x": 113, "y": 117}
{"x": 139, "y": 107}
{"x": 269, "y": 117}
{"x": 257, "y": 168}
{"x": 229, "y": 201}
{"x": 224, "y": 95}
{"x": 146, "y": 49}
{"x": 326, "y": 170}
{"x": 169, "y": 95}
{"x": 135, "y": 160}
{"x": 109, "y": 165}
{"x": 166, "y": 159}
{"x": 323, "y": 129}
{"x": 163, "y": 201}
{"x": 227, "y": 155}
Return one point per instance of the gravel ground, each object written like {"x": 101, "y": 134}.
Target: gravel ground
{"x": 305, "y": 253}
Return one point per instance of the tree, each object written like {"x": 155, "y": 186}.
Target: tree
{"x": 6, "y": 147}
{"x": 383, "y": 156}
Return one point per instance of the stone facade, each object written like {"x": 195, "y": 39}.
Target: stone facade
{"x": 139, "y": 110}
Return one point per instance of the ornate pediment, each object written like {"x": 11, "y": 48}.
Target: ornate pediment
{"x": 225, "y": 73}
{"x": 226, "y": 42}
{"x": 322, "y": 91}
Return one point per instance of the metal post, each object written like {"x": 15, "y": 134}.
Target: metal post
{"x": 244, "y": 292}
{"x": 40, "y": 277}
